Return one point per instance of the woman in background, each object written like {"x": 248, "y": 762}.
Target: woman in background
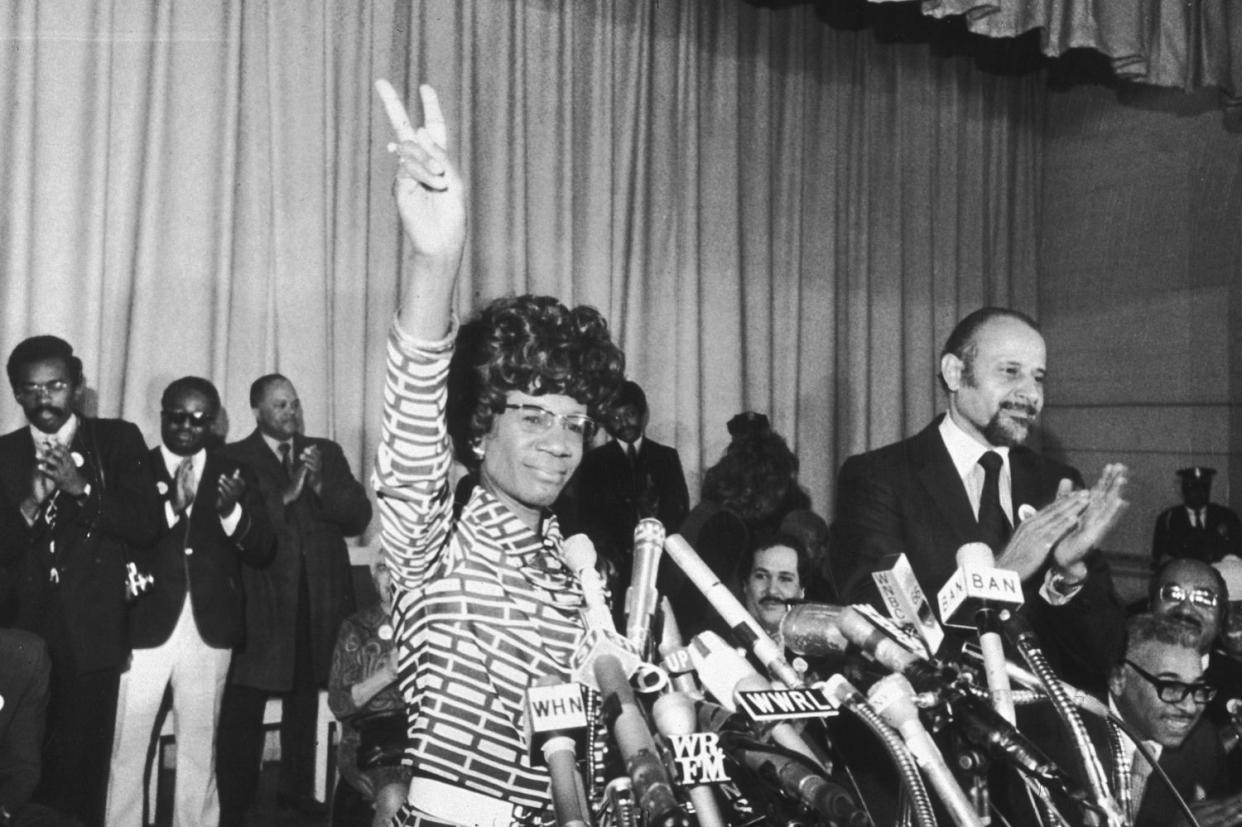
{"x": 362, "y": 694}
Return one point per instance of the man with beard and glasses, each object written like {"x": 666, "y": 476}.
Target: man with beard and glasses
{"x": 78, "y": 500}
{"x": 968, "y": 478}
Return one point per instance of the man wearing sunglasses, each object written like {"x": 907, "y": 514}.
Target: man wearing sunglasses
{"x": 77, "y": 502}
{"x": 185, "y": 626}
{"x": 1192, "y": 593}
{"x": 1159, "y": 690}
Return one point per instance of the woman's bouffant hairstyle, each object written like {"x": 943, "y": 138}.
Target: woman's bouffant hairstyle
{"x": 756, "y": 478}
{"x": 532, "y": 344}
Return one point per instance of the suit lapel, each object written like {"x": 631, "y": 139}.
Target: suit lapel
{"x": 1024, "y": 487}
{"x": 938, "y": 476}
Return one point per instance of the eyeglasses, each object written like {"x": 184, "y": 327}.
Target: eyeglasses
{"x": 536, "y": 419}
{"x": 195, "y": 419}
{"x": 1174, "y": 692}
{"x": 1176, "y": 593}
{"x": 40, "y": 388}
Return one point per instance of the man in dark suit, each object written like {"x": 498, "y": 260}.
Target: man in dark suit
{"x": 1158, "y": 690}
{"x": 627, "y": 479}
{"x": 967, "y": 478}
{"x": 184, "y": 628}
{"x": 295, "y": 606}
{"x": 80, "y": 502}
{"x": 1197, "y": 528}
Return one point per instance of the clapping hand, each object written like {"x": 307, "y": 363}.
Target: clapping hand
{"x": 1105, "y": 505}
{"x": 312, "y": 464}
{"x": 229, "y": 489}
{"x": 57, "y": 465}
{"x": 1036, "y": 536}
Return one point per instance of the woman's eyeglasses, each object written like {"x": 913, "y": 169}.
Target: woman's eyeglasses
{"x": 536, "y": 419}
{"x": 1174, "y": 692}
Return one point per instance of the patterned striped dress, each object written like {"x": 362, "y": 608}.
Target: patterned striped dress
{"x": 484, "y": 606}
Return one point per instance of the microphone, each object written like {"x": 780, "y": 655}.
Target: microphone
{"x": 1231, "y": 733}
{"x": 555, "y": 712}
{"x": 642, "y": 598}
{"x": 674, "y": 715}
{"x": 724, "y": 673}
{"x": 984, "y": 727}
{"x": 821, "y": 629}
{"x": 744, "y": 627}
{"x": 906, "y": 602}
{"x": 674, "y": 656}
{"x": 977, "y": 584}
{"x": 601, "y": 633}
{"x": 982, "y": 596}
{"x": 652, "y": 788}
{"x": 798, "y": 780}
{"x": 893, "y": 697}
{"x": 580, "y": 555}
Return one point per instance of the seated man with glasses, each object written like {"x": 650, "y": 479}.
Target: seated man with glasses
{"x": 1193, "y": 593}
{"x": 1159, "y": 691}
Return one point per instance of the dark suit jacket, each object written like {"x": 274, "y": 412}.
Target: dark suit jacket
{"x": 24, "y": 672}
{"x": 1198, "y": 762}
{"x": 94, "y": 538}
{"x": 1174, "y": 536}
{"x": 310, "y": 537}
{"x": 195, "y": 550}
{"x": 612, "y": 499}
{"x": 907, "y": 498}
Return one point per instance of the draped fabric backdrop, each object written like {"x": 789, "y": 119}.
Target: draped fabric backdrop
{"x": 775, "y": 215}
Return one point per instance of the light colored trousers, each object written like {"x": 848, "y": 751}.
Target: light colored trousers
{"x": 196, "y": 672}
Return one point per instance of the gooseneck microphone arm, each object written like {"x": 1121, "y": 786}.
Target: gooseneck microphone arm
{"x": 1023, "y": 638}
{"x": 846, "y": 695}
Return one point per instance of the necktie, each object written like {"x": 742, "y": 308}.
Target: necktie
{"x": 993, "y": 524}
{"x": 286, "y": 458}
{"x": 1140, "y": 771}
{"x": 185, "y": 479}
{"x": 631, "y": 453}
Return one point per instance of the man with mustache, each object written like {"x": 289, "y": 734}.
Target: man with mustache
{"x": 772, "y": 578}
{"x": 1192, "y": 593}
{"x": 968, "y": 477}
{"x": 79, "y": 501}
{"x": 1158, "y": 689}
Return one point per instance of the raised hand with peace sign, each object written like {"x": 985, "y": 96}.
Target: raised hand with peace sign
{"x": 431, "y": 201}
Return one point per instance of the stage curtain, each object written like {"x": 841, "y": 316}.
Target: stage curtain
{"x": 775, "y": 215}
{"x": 1184, "y": 44}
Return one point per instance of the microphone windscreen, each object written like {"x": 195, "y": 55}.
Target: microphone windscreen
{"x": 975, "y": 556}
{"x": 813, "y": 629}
{"x": 674, "y": 714}
{"x": 579, "y": 552}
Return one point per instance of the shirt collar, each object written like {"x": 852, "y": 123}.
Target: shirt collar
{"x": 638, "y": 445}
{"x": 275, "y": 444}
{"x": 1155, "y": 747}
{"x": 964, "y": 449}
{"x": 173, "y": 461}
{"x": 64, "y": 436}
